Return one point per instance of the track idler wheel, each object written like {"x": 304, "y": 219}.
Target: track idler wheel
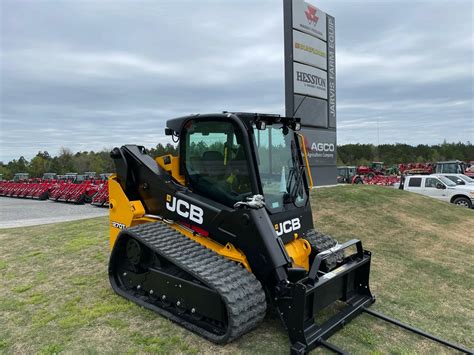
{"x": 133, "y": 252}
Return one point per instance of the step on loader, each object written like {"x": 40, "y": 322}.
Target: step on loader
{"x": 211, "y": 237}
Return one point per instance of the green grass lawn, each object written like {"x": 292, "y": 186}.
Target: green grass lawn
{"x": 55, "y": 295}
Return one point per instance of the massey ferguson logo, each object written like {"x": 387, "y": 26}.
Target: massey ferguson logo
{"x": 323, "y": 147}
{"x": 287, "y": 226}
{"x": 184, "y": 209}
{"x": 311, "y": 15}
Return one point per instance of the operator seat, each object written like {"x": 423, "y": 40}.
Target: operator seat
{"x": 238, "y": 169}
{"x": 210, "y": 183}
{"x": 213, "y": 162}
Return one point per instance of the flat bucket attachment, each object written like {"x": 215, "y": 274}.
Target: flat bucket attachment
{"x": 348, "y": 283}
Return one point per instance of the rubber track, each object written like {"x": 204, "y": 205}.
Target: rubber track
{"x": 241, "y": 292}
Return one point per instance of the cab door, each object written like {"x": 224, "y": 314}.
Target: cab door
{"x": 414, "y": 184}
{"x": 215, "y": 160}
{"x": 435, "y": 188}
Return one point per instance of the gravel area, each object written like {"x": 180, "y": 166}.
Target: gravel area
{"x": 24, "y": 212}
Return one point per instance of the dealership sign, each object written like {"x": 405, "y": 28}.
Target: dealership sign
{"x": 331, "y": 71}
{"x": 320, "y": 146}
{"x": 307, "y": 18}
{"x": 310, "y": 81}
{"x": 310, "y": 64}
{"x": 309, "y": 50}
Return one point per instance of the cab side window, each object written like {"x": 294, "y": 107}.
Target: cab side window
{"x": 215, "y": 161}
{"x": 431, "y": 183}
{"x": 455, "y": 179}
{"x": 415, "y": 182}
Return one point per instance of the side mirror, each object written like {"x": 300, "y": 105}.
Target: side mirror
{"x": 440, "y": 186}
{"x": 261, "y": 125}
{"x": 460, "y": 182}
{"x": 296, "y": 126}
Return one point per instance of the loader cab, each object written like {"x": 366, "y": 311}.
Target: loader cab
{"x": 71, "y": 177}
{"x": 378, "y": 166}
{"x": 105, "y": 176}
{"x": 345, "y": 174}
{"x": 90, "y": 174}
{"x": 450, "y": 167}
{"x": 229, "y": 157}
{"x": 49, "y": 176}
{"x": 20, "y": 177}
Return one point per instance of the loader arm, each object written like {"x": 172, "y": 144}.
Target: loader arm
{"x": 250, "y": 230}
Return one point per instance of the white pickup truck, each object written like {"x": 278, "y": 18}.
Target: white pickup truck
{"x": 441, "y": 188}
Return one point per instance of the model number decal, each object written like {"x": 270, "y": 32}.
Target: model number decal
{"x": 185, "y": 209}
{"x": 287, "y": 226}
{"x": 118, "y": 225}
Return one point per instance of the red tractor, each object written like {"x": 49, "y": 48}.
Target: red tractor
{"x": 101, "y": 198}
{"x": 470, "y": 169}
{"x": 348, "y": 175}
{"x": 376, "y": 168}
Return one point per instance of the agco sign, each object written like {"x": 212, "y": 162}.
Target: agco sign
{"x": 323, "y": 147}
{"x": 322, "y": 151}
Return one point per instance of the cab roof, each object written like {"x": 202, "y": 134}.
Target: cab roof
{"x": 175, "y": 125}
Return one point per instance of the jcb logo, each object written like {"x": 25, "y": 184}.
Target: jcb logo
{"x": 322, "y": 147}
{"x": 287, "y": 226}
{"x": 184, "y": 209}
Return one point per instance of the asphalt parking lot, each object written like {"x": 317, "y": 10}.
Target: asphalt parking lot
{"x": 23, "y": 212}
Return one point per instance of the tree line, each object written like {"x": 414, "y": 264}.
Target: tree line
{"x": 390, "y": 154}
{"x": 348, "y": 154}
{"x": 68, "y": 162}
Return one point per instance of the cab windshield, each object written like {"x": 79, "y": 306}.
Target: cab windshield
{"x": 466, "y": 178}
{"x": 215, "y": 161}
{"x": 446, "y": 181}
{"x": 450, "y": 168}
{"x": 281, "y": 175}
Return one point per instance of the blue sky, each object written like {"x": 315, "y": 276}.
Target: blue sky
{"x": 90, "y": 75}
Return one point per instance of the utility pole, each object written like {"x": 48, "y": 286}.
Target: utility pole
{"x": 378, "y": 132}
{"x": 378, "y": 140}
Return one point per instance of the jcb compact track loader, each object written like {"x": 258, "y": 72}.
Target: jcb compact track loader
{"x": 210, "y": 237}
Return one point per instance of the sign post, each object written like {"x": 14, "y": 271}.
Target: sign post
{"x": 310, "y": 83}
